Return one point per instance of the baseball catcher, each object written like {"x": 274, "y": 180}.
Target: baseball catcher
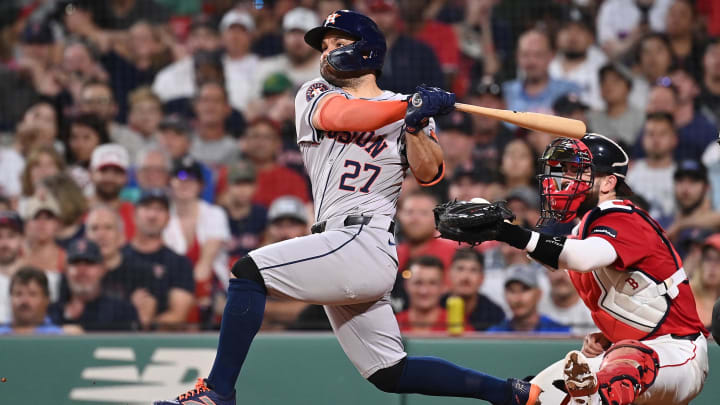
{"x": 651, "y": 348}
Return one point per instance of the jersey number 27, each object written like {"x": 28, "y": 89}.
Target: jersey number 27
{"x": 354, "y": 172}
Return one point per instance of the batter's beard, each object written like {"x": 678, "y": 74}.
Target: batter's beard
{"x": 338, "y": 78}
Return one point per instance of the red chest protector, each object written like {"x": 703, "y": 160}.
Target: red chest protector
{"x": 635, "y": 296}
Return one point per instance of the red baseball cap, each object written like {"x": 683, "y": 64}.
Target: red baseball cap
{"x": 713, "y": 241}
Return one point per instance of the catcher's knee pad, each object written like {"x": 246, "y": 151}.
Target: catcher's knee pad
{"x": 386, "y": 379}
{"x": 245, "y": 268}
{"x": 628, "y": 369}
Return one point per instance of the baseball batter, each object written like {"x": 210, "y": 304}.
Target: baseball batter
{"x": 357, "y": 142}
{"x": 652, "y": 347}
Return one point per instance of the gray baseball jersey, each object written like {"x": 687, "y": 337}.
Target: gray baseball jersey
{"x": 351, "y": 173}
{"x": 348, "y": 269}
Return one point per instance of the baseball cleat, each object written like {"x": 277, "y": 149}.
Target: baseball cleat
{"x": 580, "y": 381}
{"x": 200, "y": 395}
{"x": 524, "y": 392}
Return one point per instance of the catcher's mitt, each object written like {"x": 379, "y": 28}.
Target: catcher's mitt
{"x": 471, "y": 222}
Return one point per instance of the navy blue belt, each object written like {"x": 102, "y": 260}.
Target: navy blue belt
{"x": 350, "y": 220}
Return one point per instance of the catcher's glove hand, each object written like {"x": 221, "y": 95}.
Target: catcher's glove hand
{"x": 471, "y": 222}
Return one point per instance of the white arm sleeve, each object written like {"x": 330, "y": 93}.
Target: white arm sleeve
{"x": 587, "y": 254}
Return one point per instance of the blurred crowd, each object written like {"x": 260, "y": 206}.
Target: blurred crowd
{"x": 147, "y": 144}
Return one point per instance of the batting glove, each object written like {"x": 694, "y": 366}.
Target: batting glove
{"x": 425, "y": 103}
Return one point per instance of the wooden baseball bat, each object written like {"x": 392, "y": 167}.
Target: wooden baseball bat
{"x": 550, "y": 124}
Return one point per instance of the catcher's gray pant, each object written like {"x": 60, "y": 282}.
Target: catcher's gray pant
{"x": 350, "y": 270}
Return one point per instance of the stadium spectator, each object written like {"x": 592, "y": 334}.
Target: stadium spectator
{"x": 11, "y": 241}
{"x": 440, "y": 37}
{"x": 456, "y": 139}
{"x": 108, "y": 170}
{"x": 695, "y": 132}
{"x": 524, "y": 202}
{"x": 152, "y": 169}
{"x": 236, "y": 30}
{"x": 694, "y": 210}
{"x": 491, "y": 135}
{"x": 173, "y": 274}
{"x": 175, "y": 81}
{"x": 619, "y": 120}
{"x": 299, "y": 61}
{"x": 118, "y": 14}
{"x": 125, "y": 279}
{"x": 17, "y": 91}
{"x": 569, "y": 105}
{"x": 42, "y": 222}
{"x": 710, "y": 95}
{"x": 485, "y": 41}
{"x": 41, "y": 163}
{"x": 212, "y": 145}
{"x": 621, "y": 23}
{"x": 564, "y": 305}
{"x": 403, "y": 52}
{"x": 38, "y": 128}
{"x": 287, "y": 219}
{"x": 30, "y": 299}
{"x": 466, "y": 276}
{"x": 686, "y": 44}
{"x": 86, "y": 304}
{"x": 97, "y": 98}
{"x": 417, "y": 226}
{"x": 261, "y": 146}
{"x": 534, "y": 90}
{"x": 523, "y": 294}
{"x": 87, "y": 132}
{"x": 11, "y": 167}
{"x": 174, "y": 136}
{"x": 705, "y": 282}
{"x": 651, "y": 177}
{"x": 473, "y": 180}
{"x": 247, "y": 220}
{"x": 578, "y": 59}
{"x": 145, "y": 113}
{"x": 197, "y": 230}
{"x": 425, "y": 286}
{"x": 72, "y": 203}
{"x": 518, "y": 164}
{"x": 654, "y": 60}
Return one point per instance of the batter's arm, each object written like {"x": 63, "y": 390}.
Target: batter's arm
{"x": 337, "y": 113}
{"x": 425, "y": 157}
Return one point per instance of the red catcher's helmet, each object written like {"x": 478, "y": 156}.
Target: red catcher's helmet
{"x": 565, "y": 160}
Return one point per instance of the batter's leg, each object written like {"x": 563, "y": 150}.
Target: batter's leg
{"x": 241, "y": 321}
{"x": 369, "y": 335}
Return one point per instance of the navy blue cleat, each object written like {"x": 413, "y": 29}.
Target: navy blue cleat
{"x": 523, "y": 393}
{"x": 200, "y": 395}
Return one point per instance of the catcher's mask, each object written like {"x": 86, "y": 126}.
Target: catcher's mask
{"x": 564, "y": 183}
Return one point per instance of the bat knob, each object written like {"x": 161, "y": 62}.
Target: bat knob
{"x": 416, "y": 100}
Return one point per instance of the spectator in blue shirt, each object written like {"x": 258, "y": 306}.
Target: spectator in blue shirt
{"x": 534, "y": 90}
{"x": 523, "y": 295}
{"x": 30, "y": 298}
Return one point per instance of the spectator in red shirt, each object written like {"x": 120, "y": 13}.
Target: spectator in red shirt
{"x": 417, "y": 224}
{"x": 108, "y": 172}
{"x": 425, "y": 287}
{"x": 261, "y": 145}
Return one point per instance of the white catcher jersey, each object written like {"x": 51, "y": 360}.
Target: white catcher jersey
{"x": 352, "y": 173}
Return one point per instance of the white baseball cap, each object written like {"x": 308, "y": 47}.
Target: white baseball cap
{"x": 300, "y": 18}
{"x": 287, "y": 207}
{"x": 110, "y": 154}
{"x": 233, "y": 17}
